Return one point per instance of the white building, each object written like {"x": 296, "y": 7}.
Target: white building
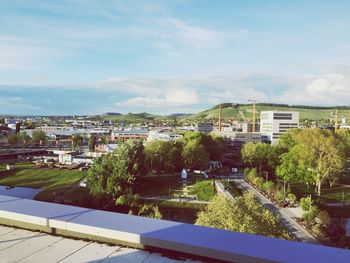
{"x": 155, "y": 135}
{"x": 275, "y": 123}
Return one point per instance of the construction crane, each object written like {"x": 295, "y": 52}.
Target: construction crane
{"x": 254, "y": 111}
{"x": 336, "y": 118}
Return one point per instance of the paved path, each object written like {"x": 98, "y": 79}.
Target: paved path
{"x": 184, "y": 200}
{"x": 284, "y": 213}
{"x": 18, "y": 245}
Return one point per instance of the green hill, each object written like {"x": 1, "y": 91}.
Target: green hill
{"x": 236, "y": 112}
{"x": 245, "y": 111}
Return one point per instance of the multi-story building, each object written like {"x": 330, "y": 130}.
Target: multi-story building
{"x": 275, "y": 123}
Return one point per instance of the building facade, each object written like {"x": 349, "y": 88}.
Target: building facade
{"x": 274, "y": 123}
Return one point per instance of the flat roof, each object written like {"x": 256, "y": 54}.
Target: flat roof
{"x": 30, "y": 246}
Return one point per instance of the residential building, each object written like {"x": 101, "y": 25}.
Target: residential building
{"x": 274, "y": 123}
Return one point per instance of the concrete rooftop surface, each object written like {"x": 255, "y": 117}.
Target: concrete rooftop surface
{"x": 19, "y": 245}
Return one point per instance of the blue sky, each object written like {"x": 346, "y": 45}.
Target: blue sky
{"x": 90, "y": 57}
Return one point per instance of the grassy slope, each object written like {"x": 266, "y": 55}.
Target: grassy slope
{"x": 51, "y": 180}
{"x": 233, "y": 113}
{"x": 242, "y": 112}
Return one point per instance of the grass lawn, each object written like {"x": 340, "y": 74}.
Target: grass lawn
{"x": 205, "y": 190}
{"x": 328, "y": 194}
{"x": 51, "y": 180}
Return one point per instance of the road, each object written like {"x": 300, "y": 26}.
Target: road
{"x": 285, "y": 215}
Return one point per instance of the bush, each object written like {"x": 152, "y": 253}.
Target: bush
{"x": 251, "y": 174}
{"x": 291, "y": 197}
{"x": 306, "y": 203}
{"x": 323, "y": 218}
{"x": 269, "y": 187}
{"x": 318, "y": 231}
{"x": 258, "y": 181}
{"x": 150, "y": 210}
{"x": 279, "y": 196}
{"x": 310, "y": 215}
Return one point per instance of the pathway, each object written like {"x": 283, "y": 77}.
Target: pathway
{"x": 172, "y": 199}
{"x": 284, "y": 213}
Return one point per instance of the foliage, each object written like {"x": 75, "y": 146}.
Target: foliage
{"x": 243, "y": 214}
{"x": 195, "y": 155}
{"x": 204, "y": 190}
{"x": 13, "y": 139}
{"x": 310, "y": 215}
{"x": 113, "y": 176}
{"x": 323, "y": 218}
{"x": 92, "y": 143}
{"x": 258, "y": 181}
{"x": 280, "y": 196}
{"x": 77, "y": 141}
{"x": 164, "y": 156}
{"x": 150, "y": 210}
{"x": 39, "y": 137}
{"x": 306, "y": 203}
{"x": 250, "y": 174}
{"x": 269, "y": 187}
{"x": 317, "y": 157}
{"x": 291, "y": 197}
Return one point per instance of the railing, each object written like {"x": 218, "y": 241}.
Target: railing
{"x": 141, "y": 232}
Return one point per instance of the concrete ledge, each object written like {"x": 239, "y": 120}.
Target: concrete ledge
{"x": 143, "y": 232}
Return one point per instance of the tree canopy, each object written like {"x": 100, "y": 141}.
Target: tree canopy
{"x": 243, "y": 214}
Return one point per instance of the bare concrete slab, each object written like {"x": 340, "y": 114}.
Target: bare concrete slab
{"x": 14, "y": 237}
{"x": 56, "y": 251}
{"x": 4, "y": 230}
{"x": 127, "y": 255}
{"x": 93, "y": 252}
{"x": 28, "y": 247}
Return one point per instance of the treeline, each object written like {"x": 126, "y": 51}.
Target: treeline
{"x": 113, "y": 177}
{"x": 237, "y": 105}
{"x": 312, "y": 157}
{"x": 23, "y": 139}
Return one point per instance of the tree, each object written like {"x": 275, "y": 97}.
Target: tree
{"x": 243, "y": 214}
{"x": 92, "y": 143}
{"x": 112, "y": 177}
{"x": 39, "y": 137}
{"x": 317, "y": 157}
{"x": 77, "y": 141}
{"x": 24, "y": 138}
{"x": 195, "y": 155}
{"x": 13, "y": 139}
{"x": 249, "y": 153}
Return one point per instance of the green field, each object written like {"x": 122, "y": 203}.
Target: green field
{"x": 204, "y": 190}
{"x": 55, "y": 182}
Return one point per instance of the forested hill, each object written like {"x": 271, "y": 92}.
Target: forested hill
{"x": 244, "y": 111}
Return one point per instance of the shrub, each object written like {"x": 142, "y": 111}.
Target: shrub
{"x": 310, "y": 215}
{"x": 150, "y": 210}
{"x": 323, "y": 218}
{"x": 279, "y": 196}
{"x": 258, "y": 181}
{"x": 306, "y": 203}
{"x": 251, "y": 174}
{"x": 269, "y": 187}
{"x": 318, "y": 231}
{"x": 291, "y": 197}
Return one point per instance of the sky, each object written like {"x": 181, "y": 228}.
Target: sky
{"x": 176, "y": 56}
